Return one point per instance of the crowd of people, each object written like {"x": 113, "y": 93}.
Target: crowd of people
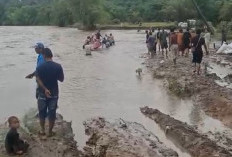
{"x": 47, "y": 74}
{"x": 179, "y": 43}
{"x": 97, "y": 41}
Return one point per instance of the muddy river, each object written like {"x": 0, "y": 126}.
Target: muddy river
{"x": 104, "y": 84}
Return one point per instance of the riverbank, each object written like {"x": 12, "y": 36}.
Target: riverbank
{"x": 130, "y": 26}
{"x": 106, "y": 139}
{"x": 61, "y": 145}
{"x": 185, "y": 136}
{"x": 214, "y": 99}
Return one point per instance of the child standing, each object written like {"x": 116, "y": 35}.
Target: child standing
{"x": 14, "y": 145}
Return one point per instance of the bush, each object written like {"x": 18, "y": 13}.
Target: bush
{"x": 116, "y": 21}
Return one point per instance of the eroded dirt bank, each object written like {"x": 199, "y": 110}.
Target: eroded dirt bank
{"x": 186, "y": 136}
{"x": 61, "y": 145}
{"x": 214, "y": 99}
{"x": 124, "y": 139}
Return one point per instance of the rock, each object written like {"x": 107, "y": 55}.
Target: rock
{"x": 61, "y": 145}
{"x": 122, "y": 138}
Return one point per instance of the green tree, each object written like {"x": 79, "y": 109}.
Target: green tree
{"x": 61, "y": 14}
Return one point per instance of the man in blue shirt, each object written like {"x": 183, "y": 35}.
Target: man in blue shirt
{"x": 39, "y": 48}
{"x": 47, "y": 76}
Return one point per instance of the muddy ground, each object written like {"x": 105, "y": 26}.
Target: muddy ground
{"x": 124, "y": 139}
{"x": 187, "y": 137}
{"x": 61, "y": 145}
{"x": 119, "y": 138}
{"x": 130, "y": 139}
{"x": 214, "y": 99}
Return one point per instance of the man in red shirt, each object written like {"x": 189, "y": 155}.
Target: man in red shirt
{"x": 173, "y": 45}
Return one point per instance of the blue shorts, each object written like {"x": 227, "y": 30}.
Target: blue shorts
{"x": 47, "y": 108}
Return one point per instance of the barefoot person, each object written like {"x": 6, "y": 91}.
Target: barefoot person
{"x": 180, "y": 42}
{"x": 173, "y": 45}
{"x": 14, "y": 145}
{"x": 47, "y": 76}
{"x": 151, "y": 44}
{"x": 207, "y": 39}
{"x": 158, "y": 39}
{"x": 186, "y": 42}
{"x": 197, "y": 51}
{"x": 164, "y": 42}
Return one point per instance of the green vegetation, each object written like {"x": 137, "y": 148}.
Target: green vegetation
{"x": 92, "y": 12}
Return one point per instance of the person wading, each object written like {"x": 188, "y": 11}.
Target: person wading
{"x": 47, "y": 76}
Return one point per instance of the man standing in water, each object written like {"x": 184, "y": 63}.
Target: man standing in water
{"x": 47, "y": 76}
{"x": 39, "y": 48}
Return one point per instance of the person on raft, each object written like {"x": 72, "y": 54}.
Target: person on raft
{"x": 87, "y": 42}
{"x": 111, "y": 39}
{"x": 105, "y": 41}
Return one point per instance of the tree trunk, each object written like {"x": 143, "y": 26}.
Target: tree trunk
{"x": 202, "y": 16}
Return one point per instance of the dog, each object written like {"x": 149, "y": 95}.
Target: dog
{"x": 139, "y": 71}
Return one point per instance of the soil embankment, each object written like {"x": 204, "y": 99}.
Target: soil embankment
{"x": 61, "y": 145}
{"x": 124, "y": 139}
{"x": 214, "y": 99}
{"x": 186, "y": 136}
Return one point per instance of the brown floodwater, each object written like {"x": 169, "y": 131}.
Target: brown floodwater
{"x": 104, "y": 84}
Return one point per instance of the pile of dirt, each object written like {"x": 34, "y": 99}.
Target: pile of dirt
{"x": 215, "y": 100}
{"x": 186, "y": 136}
{"x": 61, "y": 145}
{"x": 121, "y": 138}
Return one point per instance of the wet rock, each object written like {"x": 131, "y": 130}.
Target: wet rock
{"x": 228, "y": 78}
{"x": 122, "y": 138}
{"x": 186, "y": 136}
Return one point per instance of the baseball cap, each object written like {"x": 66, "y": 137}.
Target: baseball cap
{"x": 39, "y": 45}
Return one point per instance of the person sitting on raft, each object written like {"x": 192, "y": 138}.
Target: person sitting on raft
{"x": 13, "y": 144}
{"x": 96, "y": 42}
{"x": 87, "y": 42}
{"x": 105, "y": 41}
{"x": 111, "y": 39}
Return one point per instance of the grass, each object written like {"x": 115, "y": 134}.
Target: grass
{"x": 144, "y": 25}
